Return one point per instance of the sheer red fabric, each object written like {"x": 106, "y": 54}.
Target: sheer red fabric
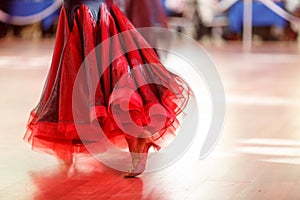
{"x": 52, "y": 128}
{"x": 152, "y": 14}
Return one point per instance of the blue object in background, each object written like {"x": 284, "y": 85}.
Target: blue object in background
{"x": 30, "y": 7}
{"x": 262, "y": 16}
{"x": 168, "y": 12}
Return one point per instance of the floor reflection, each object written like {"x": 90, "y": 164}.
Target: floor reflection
{"x": 87, "y": 179}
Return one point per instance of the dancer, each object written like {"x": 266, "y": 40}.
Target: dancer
{"x": 83, "y": 25}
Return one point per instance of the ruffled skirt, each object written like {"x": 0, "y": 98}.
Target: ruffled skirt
{"x": 118, "y": 84}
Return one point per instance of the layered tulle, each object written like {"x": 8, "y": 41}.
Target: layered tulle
{"x": 129, "y": 95}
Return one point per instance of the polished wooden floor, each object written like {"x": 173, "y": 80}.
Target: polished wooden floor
{"x": 257, "y": 157}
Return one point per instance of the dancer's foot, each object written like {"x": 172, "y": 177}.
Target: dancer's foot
{"x": 139, "y": 151}
{"x": 138, "y": 166}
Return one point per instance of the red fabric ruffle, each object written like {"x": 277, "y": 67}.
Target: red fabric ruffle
{"x": 52, "y": 128}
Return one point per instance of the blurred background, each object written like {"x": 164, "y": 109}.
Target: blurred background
{"x": 272, "y": 20}
{"x": 255, "y": 47}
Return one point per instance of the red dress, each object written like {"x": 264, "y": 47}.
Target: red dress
{"x": 82, "y": 26}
